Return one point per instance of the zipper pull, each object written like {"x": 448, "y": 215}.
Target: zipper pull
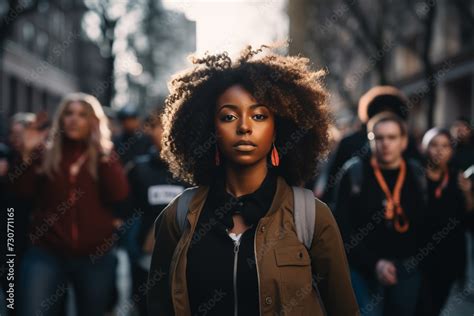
{"x": 236, "y": 246}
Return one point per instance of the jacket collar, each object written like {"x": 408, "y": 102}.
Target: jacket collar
{"x": 280, "y": 200}
{"x": 252, "y": 206}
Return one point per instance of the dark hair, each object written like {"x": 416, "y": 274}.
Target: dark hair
{"x": 292, "y": 91}
{"x": 153, "y": 119}
{"x": 380, "y": 99}
{"x": 387, "y": 117}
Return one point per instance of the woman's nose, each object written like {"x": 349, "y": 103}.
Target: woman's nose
{"x": 244, "y": 127}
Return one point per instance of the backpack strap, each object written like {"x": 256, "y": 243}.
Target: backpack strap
{"x": 304, "y": 214}
{"x": 183, "y": 206}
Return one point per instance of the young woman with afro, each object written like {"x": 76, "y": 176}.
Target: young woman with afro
{"x": 244, "y": 132}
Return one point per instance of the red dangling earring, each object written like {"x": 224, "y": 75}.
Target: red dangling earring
{"x": 275, "y": 157}
{"x": 217, "y": 157}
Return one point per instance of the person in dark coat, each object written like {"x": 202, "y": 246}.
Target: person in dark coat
{"x": 133, "y": 141}
{"x": 380, "y": 209}
{"x": 450, "y": 206}
{"x": 376, "y": 100}
{"x": 463, "y": 141}
{"x": 153, "y": 187}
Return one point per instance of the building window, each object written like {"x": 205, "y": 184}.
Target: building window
{"x": 28, "y": 35}
{"x": 42, "y": 44}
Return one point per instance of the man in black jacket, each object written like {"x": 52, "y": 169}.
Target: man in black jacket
{"x": 377, "y": 100}
{"x": 132, "y": 141}
{"x": 379, "y": 208}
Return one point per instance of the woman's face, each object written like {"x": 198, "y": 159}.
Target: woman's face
{"x": 76, "y": 121}
{"x": 245, "y": 129}
{"x": 440, "y": 150}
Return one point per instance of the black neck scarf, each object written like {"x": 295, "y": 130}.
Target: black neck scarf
{"x": 252, "y": 207}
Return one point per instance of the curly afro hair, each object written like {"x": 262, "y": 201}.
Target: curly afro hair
{"x": 286, "y": 85}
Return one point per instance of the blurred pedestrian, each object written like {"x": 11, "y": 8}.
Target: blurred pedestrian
{"x": 75, "y": 181}
{"x": 377, "y": 100}
{"x": 463, "y": 138}
{"x": 132, "y": 141}
{"x": 18, "y": 123}
{"x": 449, "y": 203}
{"x": 245, "y": 131}
{"x": 380, "y": 209}
{"x": 153, "y": 187}
{"x": 10, "y": 156}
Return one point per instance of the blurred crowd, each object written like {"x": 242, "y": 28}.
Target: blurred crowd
{"x": 89, "y": 181}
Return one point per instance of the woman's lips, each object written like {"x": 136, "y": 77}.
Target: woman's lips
{"x": 246, "y": 148}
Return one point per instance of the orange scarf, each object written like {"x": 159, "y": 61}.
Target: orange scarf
{"x": 442, "y": 185}
{"x": 393, "y": 211}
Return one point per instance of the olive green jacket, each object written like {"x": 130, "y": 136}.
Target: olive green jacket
{"x": 285, "y": 268}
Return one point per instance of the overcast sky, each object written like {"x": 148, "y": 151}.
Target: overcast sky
{"x": 231, "y": 24}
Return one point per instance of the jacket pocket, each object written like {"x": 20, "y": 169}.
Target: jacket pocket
{"x": 292, "y": 256}
{"x": 294, "y": 265}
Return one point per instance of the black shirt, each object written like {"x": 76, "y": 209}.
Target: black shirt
{"x": 367, "y": 236}
{"x": 153, "y": 187}
{"x": 447, "y": 220}
{"x": 210, "y": 258}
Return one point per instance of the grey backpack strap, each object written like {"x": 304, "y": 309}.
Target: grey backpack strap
{"x": 183, "y": 205}
{"x": 305, "y": 215}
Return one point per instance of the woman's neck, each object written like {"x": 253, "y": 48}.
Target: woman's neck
{"x": 390, "y": 165}
{"x": 435, "y": 171}
{"x": 241, "y": 180}
{"x": 74, "y": 145}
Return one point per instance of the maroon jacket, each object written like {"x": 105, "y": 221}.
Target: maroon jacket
{"x": 73, "y": 218}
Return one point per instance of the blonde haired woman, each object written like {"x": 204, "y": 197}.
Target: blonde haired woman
{"x": 76, "y": 182}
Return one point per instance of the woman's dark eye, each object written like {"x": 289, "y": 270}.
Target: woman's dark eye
{"x": 260, "y": 117}
{"x": 227, "y": 118}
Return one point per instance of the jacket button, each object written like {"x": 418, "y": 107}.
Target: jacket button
{"x": 268, "y": 300}
{"x": 262, "y": 229}
{"x": 300, "y": 255}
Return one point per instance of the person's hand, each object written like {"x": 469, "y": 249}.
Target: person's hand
{"x": 464, "y": 184}
{"x": 386, "y": 272}
{"x": 117, "y": 223}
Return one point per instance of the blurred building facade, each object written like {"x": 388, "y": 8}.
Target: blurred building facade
{"x": 451, "y": 52}
{"x": 47, "y": 56}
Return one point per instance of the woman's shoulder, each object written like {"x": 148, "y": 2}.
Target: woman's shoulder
{"x": 183, "y": 200}
{"x": 324, "y": 218}
{"x": 323, "y": 212}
